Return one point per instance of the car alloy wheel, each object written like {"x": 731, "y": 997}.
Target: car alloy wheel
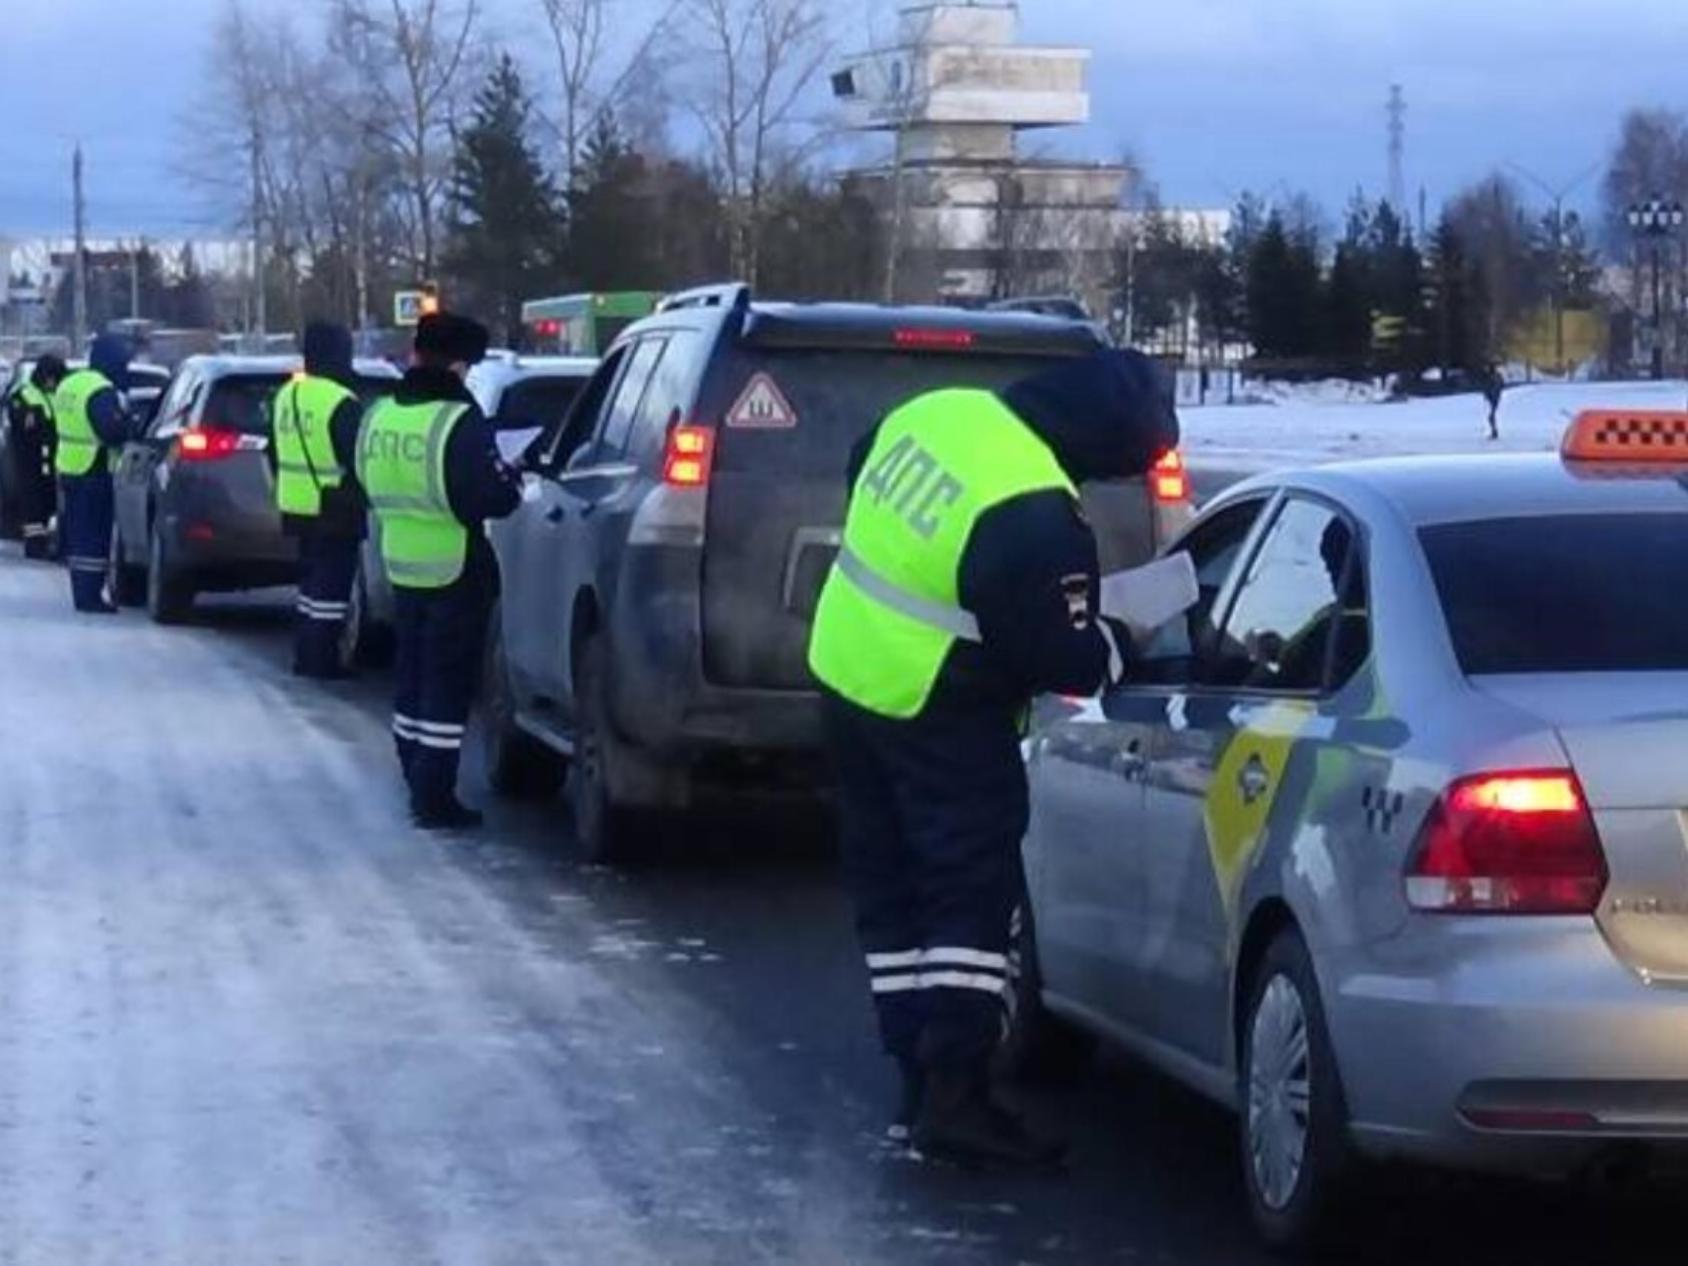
{"x": 1279, "y": 1093}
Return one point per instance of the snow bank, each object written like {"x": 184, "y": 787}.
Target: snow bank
{"x": 1308, "y": 428}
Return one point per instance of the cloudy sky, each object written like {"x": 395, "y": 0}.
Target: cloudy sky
{"x": 1214, "y": 95}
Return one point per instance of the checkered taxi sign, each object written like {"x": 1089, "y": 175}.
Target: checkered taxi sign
{"x": 1629, "y": 436}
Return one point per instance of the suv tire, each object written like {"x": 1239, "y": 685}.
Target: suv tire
{"x": 517, "y": 764}
{"x": 1293, "y": 1121}
{"x": 1038, "y": 1045}
{"x": 364, "y": 642}
{"x": 603, "y": 826}
{"x": 169, "y": 594}
{"x": 128, "y": 582}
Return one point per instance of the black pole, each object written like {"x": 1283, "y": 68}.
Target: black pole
{"x": 1658, "y": 311}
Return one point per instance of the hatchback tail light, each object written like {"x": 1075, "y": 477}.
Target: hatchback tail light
{"x": 1509, "y": 843}
{"x": 690, "y": 457}
{"x": 207, "y": 444}
{"x": 1169, "y": 479}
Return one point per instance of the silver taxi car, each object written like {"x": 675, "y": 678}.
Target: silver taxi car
{"x": 1387, "y": 847}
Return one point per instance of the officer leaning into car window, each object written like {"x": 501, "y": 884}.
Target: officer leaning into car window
{"x": 966, "y": 585}
{"x": 92, "y": 421}
{"x": 29, "y": 414}
{"x": 429, "y": 465}
{"x": 315, "y": 418}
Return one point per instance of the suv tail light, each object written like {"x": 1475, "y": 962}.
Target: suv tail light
{"x": 207, "y": 444}
{"x": 1509, "y": 843}
{"x": 1169, "y": 479}
{"x": 690, "y": 457}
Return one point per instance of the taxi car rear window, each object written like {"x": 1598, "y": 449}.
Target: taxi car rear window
{"x": 1565, "y": 594}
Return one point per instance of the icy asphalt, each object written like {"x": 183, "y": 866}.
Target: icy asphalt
{"x": 247, "y": 1015}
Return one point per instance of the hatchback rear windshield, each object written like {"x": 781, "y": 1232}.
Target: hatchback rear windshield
{"x": 1565, "y": 594}
{"x": 838, "y": 396}
{"x": 241, "y": 402}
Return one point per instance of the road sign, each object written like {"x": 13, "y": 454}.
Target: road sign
{"x": 407, "y": 307}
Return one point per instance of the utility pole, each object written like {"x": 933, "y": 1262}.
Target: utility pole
{"x": 79, "y": 267}
{"x": 1557, "y": 195}
{"x": 260, "y": 308}
{"x": 135, "y": 279}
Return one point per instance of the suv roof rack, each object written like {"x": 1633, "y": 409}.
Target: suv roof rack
{"x": 732, "y": 294}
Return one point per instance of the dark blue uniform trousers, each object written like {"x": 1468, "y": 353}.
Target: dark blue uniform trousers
{"x": 327, "y": 566}
{"x": 441, "y": 640}
{"x": 86, "y": 528}
{"x": 933, "y": 812}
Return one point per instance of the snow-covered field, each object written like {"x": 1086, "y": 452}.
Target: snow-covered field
{"x": 1310, "y": 427}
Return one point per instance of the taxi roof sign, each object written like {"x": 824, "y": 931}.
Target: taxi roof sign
{"x": 1632, "y": 437}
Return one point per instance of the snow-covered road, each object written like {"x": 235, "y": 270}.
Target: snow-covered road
{"x": 248, "y": 1016}
{"x": 1313, "y": 426}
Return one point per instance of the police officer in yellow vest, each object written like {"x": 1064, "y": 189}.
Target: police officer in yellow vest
{"x": 967, "y": 584}
{"x": 429, "y": 465}
{"x": 93, "y": 422}
{"x": 315, "y": 418}
{"x": 30, "y": 419}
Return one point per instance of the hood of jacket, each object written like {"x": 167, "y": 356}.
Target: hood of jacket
{"x": 1109, "y": 415}
{"x": 110, "y": 356}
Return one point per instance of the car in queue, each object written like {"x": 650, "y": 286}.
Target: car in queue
{"x": 195, "y": 493}
{"x": 522, "y": 396}
{"x": 1386, "y": 845}
{"x": 660, "y": 579}
{"x": 146, "y": 387}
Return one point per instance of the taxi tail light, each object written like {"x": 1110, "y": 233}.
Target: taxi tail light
{"x": 690, "y": 457}
{"x": 1169, "y": 479}
{"x": 1509, "y": 843}
{"x": 207, "y": 444}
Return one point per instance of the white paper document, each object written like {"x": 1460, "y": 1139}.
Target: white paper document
{"x": 1148, "y": 597}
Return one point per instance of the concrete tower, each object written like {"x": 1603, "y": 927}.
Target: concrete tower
{"x": 973, "y": 218}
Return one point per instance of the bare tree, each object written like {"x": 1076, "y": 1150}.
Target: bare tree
{"x": 408, "y": 57}
{"x": 759, "y": 57}
{"x": 583, "y": 55}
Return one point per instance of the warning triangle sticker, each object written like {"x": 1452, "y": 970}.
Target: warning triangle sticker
{"x": 762, "y": 407}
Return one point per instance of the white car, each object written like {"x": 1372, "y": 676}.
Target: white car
{"x": 521, "y": 395}
{"x": 1386, "y": 846}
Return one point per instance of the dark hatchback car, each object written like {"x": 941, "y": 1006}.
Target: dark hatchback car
{"x": 660, "y": 578}
{"x": 196, "y": 493}
{"x": 146, "y": 386}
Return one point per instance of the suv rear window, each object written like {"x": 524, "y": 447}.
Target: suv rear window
{"x": 241, "y": 402}
{"x": 838, "y": 396}
{"x": 1565, "y": 594}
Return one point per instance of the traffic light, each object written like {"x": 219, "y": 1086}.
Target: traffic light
{"x": 430, "y": 305}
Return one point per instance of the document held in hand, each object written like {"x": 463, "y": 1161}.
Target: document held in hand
{"x": 1148, "y": 597}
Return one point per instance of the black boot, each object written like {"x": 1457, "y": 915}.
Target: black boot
{"x": 961, "y": 1123}
{"x": 910, "y": 1094}
{"x": 446, "y": 815}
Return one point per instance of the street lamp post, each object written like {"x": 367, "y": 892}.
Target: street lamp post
{"x": 1656, "y": 220}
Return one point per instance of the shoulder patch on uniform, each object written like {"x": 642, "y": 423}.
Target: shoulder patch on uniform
{"x": 762, "y": 406}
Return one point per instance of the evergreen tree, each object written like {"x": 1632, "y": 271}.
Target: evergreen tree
{"x": 612, "y": 228}
{"x": 506, "y": 227}
{"x": 1283, "y": 292}
{"x": 1459, "y": 308}
{"x": 1345, "y": 310}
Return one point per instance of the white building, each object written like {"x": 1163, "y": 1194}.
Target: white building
{"x": 978, "y": 218}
